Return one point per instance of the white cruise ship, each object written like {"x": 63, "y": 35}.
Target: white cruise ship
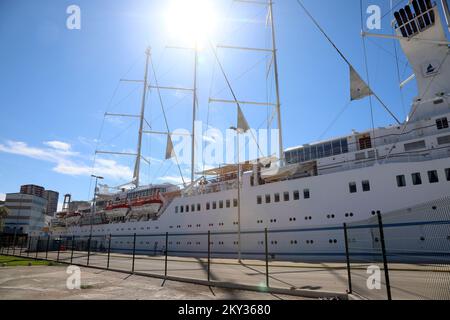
{"x": 316, "y": 187}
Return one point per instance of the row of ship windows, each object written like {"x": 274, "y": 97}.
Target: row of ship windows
{"x": 286, "y": 197}
{"x": 209, "y": 206}
{"x": 221, "y": 243}
{"x": 433, "y": 177}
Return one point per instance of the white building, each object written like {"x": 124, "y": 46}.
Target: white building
{"x": 26, "y": 213}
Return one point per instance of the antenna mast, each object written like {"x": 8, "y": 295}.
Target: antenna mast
{"x": 277, "y": 82}
{"x": 137, "y": 166}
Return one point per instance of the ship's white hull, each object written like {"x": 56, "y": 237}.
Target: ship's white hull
{"x": 300, "y": 229}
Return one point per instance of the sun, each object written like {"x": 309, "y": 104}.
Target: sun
{"x": 191, "y": 21}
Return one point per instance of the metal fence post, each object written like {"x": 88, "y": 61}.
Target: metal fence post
{"x": 89, "y": 250}
{"x": 109, "y": 251}
{"x": 29, "y": 246}
{"x": 167, "y": 251}
{"x": 385, "y": 262}
{"x": 20, "y": 247}
{"x": 209, "y": 256}
{"x": 59, "y": 249}
{"x": 267, "y": 256}
{"x": 37, "y": 247}
{"x": 8, "y": 245}
{"x": 73, "y": 245}
{"x": 134, "y": 252}
{"x": 14, "y": 244}
{"x": 347, "y": 254}
{"x": 46, "y": 250}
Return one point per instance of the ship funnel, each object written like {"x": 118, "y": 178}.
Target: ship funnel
{"x": 424, "y": 42}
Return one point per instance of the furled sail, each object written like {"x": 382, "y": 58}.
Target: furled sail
{"x": 358, "y": 87}
{"x": 170, "y": 152}
{"x": 242, "y": 122}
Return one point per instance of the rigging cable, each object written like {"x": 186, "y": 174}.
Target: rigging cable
{"x": 165, "y": 117}
{"x": 368, "y": 81}
{"x": 342, "y": 56}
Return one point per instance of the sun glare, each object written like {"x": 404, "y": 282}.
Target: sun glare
{"x": 191, "y": 21}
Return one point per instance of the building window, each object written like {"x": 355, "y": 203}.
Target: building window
{"x": 228, "y": 203}
{"x": 447, "y": 174}
{"x": 366, "y": 185}
{"x": 442, "y": 123}
{"x": 277, "y": 197}
{"x": 401, "y": 181}
{"x": 268, "y": 198}
{"x": 296, "y": 195}
{"x": 417, "y": 179}
{"x": 352, "y": 187}
{"x": 286, "y": 196}
{"x": 306, "y": 194}
{"x": 433, "y": 176}
{"x": 259, "y": 200}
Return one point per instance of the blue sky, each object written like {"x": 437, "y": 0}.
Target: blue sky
{"x": 56, "y": 83}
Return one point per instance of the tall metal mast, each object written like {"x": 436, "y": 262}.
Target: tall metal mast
{"x": 137, "y": 166}
{"x": 277, "y": 83}
{"x": 194, "y": 114}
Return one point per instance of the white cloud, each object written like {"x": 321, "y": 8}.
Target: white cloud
{"x": 66, "y": 160}
{"x": 2, "y": 197}
{"x": 59, "y": 145}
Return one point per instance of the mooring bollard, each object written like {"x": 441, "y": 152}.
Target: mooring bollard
{"x": 209, "y": 256}
{"x": 267, "y": 256}
{"x": 385, "y": 262}
{"x": 347, "y": 254}
{"x": 109, "y": 251}
{"x": 167, "y": 252}
{"x": 134, "y": 252}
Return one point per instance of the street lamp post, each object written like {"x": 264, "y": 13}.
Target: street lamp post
{"x": 239, "y": 194}
{"x": 94, "y": 207}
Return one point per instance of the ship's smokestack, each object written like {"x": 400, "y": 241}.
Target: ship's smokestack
{"x": 446, "y": 12}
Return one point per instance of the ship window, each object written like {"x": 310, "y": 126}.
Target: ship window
{"x": 208, "y": 206}
{"x": 442, "y": 123}
{"x": 286, "y": 196}
{"x": 277, "y": 197}
{"x": 228, "y": 203}
{"x": 176, "y": 209}
{"x": 447, "y": 174}
{"x": 187, "y": 208}
{"x": 221, "y": 204}
{"x": 268, "y": 198}
{"x": 306, "y": 194}
{"x": 443, "y": 140}
{"x": 320, "y": 152}
{"x": 366, "y": 185}
{"x": 401, "y": 181}
{"x": 336, "y": 147}
{"x": 181, "y": 209}
{"x": 433, "y": 176}
{"x": 235, "y": 203}
{"x": 193, "y": 208}
{"x": 415, "y": 146}
{"x": 296, "y": 195}
{"x": 352, "y": 187}
{"x": 214, "y": 206}
{"x": 259, "y": 200}
{"x": 327, "y": 148}
{"x": 199, "y": 207}
{"x": 313, "y": 153}
{"x": 344, "y": 145}
{"x": 365, "y": 143}
{"x": 417, "y": 179}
